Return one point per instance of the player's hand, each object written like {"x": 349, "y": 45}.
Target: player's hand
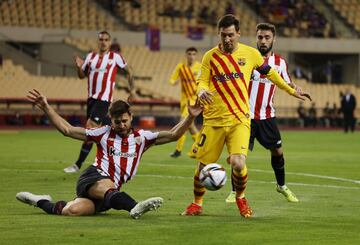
{"x": 38, "y": 99}
{"x": 78, "y": 60}
{"x": 298, "y": 89}
{"x": 302, "y": 95}
{"x": 205, "y": 97}
{"x": 196, "y": 109}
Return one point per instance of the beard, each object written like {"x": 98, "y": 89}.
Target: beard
{"x": 264, "y": 50}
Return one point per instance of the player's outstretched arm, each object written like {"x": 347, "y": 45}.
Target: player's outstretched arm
{"x": 276, "y": 78}
{"x": 179, "y": 129}
{"x": 60, "y": 123}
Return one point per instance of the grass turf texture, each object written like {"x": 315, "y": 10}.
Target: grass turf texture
{"x": 328, "y": 212}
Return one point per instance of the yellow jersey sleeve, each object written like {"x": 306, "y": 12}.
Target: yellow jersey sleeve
{"x": 175, "y": 75}
{"x": 204, "y": 77}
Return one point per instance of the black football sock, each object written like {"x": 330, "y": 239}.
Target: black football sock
{"x": 278, "y": 165}
{"x": 119, "y": 200}
{"x": 84, "y": 152}
{"x": 51, "y": 208}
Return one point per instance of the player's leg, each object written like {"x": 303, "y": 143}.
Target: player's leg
{"x": 194, "y": 132}
{"x": 231, "y": 198}
{"x": 181, "y": 141}
{"x": 237, "y": 141}
{"x": 278, "y": 165}
{"x": 206, "y": 149}
{"x": 41, "y": 201}
{"x": 105, "y": 190}
{"x": 270, "y": 138}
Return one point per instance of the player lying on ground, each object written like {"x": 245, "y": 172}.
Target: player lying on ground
{"x": 119, "y": 149}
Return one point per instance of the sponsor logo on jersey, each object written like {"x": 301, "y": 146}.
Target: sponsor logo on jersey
{"x": 114, "y": 152}
{"x": 226, "y": 77}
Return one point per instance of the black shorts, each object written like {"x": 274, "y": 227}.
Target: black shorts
{"x": 97, "y": 111}
{"x": 87, "y": 178}
{"x": 266, "y": 132}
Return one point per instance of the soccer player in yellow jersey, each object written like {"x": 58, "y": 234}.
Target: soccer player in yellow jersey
{"x": 186, "y": 73}
{"x": 223, "y": 90}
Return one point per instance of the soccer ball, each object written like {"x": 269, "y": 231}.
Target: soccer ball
{"x": 213, "y": 176}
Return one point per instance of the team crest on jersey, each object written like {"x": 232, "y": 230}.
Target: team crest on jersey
{"x": 241, "y": 61}
{"x": 110, "y": 62}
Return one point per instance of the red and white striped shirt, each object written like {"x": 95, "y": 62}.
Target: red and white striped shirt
{"x": 262, "y": 90}
{"x": 119, "y": 157}
{"x": 101, "y": 72}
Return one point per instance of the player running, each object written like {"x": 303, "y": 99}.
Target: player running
{"x": 223, "y": 89}
{"x": 262, "y": 111}
{"x": 186, "y": 72}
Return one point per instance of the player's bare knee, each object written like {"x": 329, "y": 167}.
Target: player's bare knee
{"x": 237, "y": 162}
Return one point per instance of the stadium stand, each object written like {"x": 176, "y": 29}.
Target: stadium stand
{"x": 177, "y": 16}
{"x": 348, "y": 10}
{"x": 294, "y": 18}
{"x": 73, "y": 14}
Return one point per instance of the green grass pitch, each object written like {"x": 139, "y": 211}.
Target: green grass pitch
{"x": 323, "y": 170}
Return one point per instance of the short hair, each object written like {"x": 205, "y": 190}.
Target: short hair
{"x": 119, "y": 107}
{"x": 267, "y": 27}
{"x": 229, "y": 20}
{"x": 104, "y": 32}
{"x": 191, "y": 49}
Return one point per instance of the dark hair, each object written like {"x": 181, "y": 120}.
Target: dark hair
{"x": 229, "y": 20}
{"x": 119, "y": 107}
{"x": 267, "y": 27}
{"x": 104, "y": 32}
{"x": 191, "y": 49}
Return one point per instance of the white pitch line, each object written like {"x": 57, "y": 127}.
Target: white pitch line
{"x": 250, "y": 169}
{"x": 311, "y": 175}
{"x": 253, "y": 181}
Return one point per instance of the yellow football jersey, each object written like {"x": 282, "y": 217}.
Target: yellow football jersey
{"x": 187, "y": 76}
{"x": 227, "y": 76}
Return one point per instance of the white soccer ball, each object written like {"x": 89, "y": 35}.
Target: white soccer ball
{"x": 213, "y": 176}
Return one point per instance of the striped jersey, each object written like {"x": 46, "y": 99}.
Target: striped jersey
{"x": 262, "y": 90}
{"x": 101, "y": 72}
{"x": 119, "y": 157}
{"x": 227, "y": 76}
{"x": 187, "y": 75}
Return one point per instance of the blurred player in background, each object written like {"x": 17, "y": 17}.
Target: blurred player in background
{"x": 186, "y": 72}
{"x": 223, "y": 89}
{"x": 119, "y": 150}
{"x": 100, "y": 69}
{"x": 262, "y": 111}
